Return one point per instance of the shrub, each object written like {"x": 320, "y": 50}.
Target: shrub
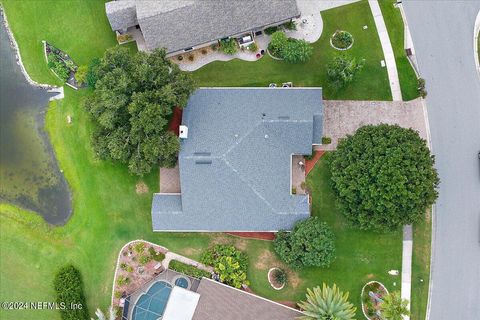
{"x": 296, "y": 51}
{"x": 341, "y": 70}
{"x": 204, "y": 51}
{"x": 229, "y": 263}
{"x": 117, "y": 294}
{"x": 290, "y": 25}
{"x": 342, "y": 39}
{"x": 278, "y": 41}
{"x": 191, "y": 57}
{"x": 124, "y": 37}
{"x": 129, "y": 269}
{"x": 253, "y": 47}
{"x": 188, "y": 269}
{"x": 421, "y": 87}
{"x": 139, "y": 247}
{"x": 228, "y": 46}
{"x": 68, "y": 286}
{"x": 326, "y": 140}
{"x": 180, "y": 58}
{"x": 123, "y": 280}
{"x": 144, "y": 259}
{"x": 92, "y": 76}
{"x": 123, "y": 266}
{"x": 311, "y": 243}
{"x": 384, "y": 177}
{"x": 214, "y": 46}
{"x": 271, "y": 30}
{"x": 81, "y": 74}
{"x": 279, "y": 276}
{"x": 157, "y": 256}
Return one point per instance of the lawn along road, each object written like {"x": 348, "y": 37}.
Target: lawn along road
{"x": 442, "y": 33}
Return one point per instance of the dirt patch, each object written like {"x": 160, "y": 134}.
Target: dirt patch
{"x": 141, "y": 187}
{"x": 266, "y": 260}
{"x": 241, "y": 244}
{"x": 293, "y": 279}
{"x": 191, "y": 252}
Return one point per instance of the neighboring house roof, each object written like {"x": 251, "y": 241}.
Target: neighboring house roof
{"x": 121, "y": 14}
{"x": 235, "y": 165}
{"x": 177, "y": 25}
{"x": 221, "y": 302}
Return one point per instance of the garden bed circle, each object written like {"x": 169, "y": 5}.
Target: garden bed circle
{"x": 363, "y": 291}
{"x": 271, "y": 283}
{"x": 341, "y": 49}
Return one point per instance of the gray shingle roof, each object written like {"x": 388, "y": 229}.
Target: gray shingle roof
{"x": 180, "y": 24}
{"x": 121, "y": 14}
{"x": 235, "y": 165}
{"x": 221, "y": 302}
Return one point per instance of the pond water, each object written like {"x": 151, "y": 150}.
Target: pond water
{"x": 29, "y": 174}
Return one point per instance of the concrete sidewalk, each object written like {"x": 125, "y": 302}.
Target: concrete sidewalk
{"x": 387, "y": 50}
{"x": 407, "y": 265}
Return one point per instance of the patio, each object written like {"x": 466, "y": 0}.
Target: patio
{"x": 298, "y": 174}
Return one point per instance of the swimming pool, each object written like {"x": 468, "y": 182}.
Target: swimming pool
{"x": 182, "y": 282}
{"x": 151, "y": 304}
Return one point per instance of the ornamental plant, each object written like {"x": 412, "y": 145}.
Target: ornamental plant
{"x": 228, "y": 46}
{"x": 297, "y": 51}
{"x": 68, "y": 286}
{"x": 384, "y": 177}
{"x": 229, "y": 263}
{"x": 341, "y": 70}
{"x": 311, "y": 243}
{"x": 327, "y": 303}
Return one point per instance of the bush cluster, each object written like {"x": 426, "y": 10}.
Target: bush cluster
{"x": 311, "y": 243}
{"x": 228, "y": 46}
{"x": 342, "y": 39}
{"x": 68, "y": 286}
{"x": 384, "y": 177}
{"x": 229, "y": 263}
{"x": 289, "y": 49}
{"x": 188, "y": 269}
{"x": 341, "y": 70}
{"x": 58, "y": 66}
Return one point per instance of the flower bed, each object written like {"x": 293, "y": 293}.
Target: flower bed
{"x": 277, "y": 278}
{"x": 341, "y": 40}
{"x": 61, "y": 65}
{"x": 372, "y": 295}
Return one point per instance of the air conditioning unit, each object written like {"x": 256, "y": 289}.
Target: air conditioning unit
{"x": 183, "y": 132}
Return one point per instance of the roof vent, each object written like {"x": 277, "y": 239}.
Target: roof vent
{"x": 266, "y": 136}
{"x": 183, "y": 132}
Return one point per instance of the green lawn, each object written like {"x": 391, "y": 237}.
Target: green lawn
{"x": 107, "y": 211}
{"x": 371, "y": 83}
{"x": 394, "y": 22}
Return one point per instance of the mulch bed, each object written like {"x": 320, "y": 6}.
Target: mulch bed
{"x": 254, "y": 235}
{"x": 310, "y": 164}
{"x": 176, "y": 120}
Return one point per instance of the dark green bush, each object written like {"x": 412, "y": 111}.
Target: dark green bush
{"x": 188, "y": 269}
{"x": 229, "y": 263}
{"x": 68, "y": 286}
{"x": 279, "y": 276}
{"x": 290, "y": 25}
{"x": 157, "y": 256}
{"x": 311, "y": 243}
{"x": 341, "y": 70}
{"x": 384, "y": 177}
{"x": 278, "y": 41}
{"x": 92, "y": 76}
{"x": 326, "y": 140}
{"x": 271, "y": 30}
{"x": 342, "y": 39}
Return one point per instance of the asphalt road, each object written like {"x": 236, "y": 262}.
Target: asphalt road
{"x": 442, "y": 34}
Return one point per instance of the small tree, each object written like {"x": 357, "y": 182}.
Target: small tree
{"x": 278, "y": 41}
{"x": 311, "y": 243}
{"x": 394, "y": 307}
{"x": 296, "y": 51}
{"x": 229, "y": 263}
{"x": 327, "y": 304}
{"x": 341, "y": 70}
{"x": 81, "y": 74}
{"x": 384, "y": 177}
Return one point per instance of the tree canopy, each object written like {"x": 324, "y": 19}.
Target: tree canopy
{"x": 68, "y": 286}
{"x": 341, "y": 70}
{"x": 384, "y": 177}
{"x": 311, "y": 243}
{"x": 132, "y": 103}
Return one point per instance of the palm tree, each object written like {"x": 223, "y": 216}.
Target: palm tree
{"x": 112, "y": 314}
{"x": 327, "y": 304}
{"x": 394, "y": 307}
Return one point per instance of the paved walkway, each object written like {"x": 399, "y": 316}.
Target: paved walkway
{"x": 170, "y": 180}
{"x": 407, "y": 247}
{"x": 387, "y": 50}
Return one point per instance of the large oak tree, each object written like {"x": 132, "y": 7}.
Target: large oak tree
{"x": 134, "y": 96}
{"x": 384, "y": 177}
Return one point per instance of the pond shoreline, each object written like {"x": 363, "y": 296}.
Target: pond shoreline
{"x": 48, "y": 193}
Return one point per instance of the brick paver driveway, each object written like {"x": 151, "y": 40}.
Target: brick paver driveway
{"x": 345, "y": 117}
